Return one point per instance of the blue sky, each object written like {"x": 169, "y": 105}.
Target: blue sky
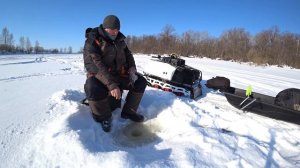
{"x": 61, "y": 23}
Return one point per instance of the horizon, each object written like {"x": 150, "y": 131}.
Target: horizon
{"x": 62, "y": 24}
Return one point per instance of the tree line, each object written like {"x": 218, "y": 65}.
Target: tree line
{"x": 24, "y": 45}
{"x": 266, "y": 47}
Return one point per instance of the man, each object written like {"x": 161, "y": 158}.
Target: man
{"x": 111, "y": 69}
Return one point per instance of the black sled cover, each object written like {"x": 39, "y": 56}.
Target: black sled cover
{"x": 284, "y": 107}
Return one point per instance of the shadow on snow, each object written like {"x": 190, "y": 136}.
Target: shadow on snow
{"x": 96, "y": 141}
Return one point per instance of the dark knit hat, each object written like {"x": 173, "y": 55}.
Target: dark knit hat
{"x": 112, "y": 22}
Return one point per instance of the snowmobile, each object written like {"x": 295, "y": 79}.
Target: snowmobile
{"x": 172, "y": 75}
{"x": 285, "y": 106}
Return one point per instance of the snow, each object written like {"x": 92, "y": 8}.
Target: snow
{"x": 43, "y": 124}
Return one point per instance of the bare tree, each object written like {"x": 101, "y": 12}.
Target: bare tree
{"x": 266, "y": 47}
{"x": 70, "y": 50}
{"x": 22, "y": 43}
{"x": 167, "y": 39}
{"x": 205, "y": 45}
{"x": 187, "y": 44}
{"x": 28, "y": 46}
{"x": 5, "y": 36}
{"x": 235, "y": 44}
{"x": 11, "y": 40}
{"x": 80, "y": 50}
{"x": 6, "y": 41}
{"x": 37, "y": 48}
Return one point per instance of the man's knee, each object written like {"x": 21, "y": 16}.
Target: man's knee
{"x": 94, "y": 89}
{"x": 140, "y": 84}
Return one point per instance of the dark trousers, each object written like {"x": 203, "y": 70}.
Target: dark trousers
{"x": 98, "y": 94}
{"x": 95, "y": 90}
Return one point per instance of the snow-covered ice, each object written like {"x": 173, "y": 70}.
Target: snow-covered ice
{"x": 43, "y": 123}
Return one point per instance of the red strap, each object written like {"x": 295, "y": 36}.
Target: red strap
{"x": 97, "y": 42}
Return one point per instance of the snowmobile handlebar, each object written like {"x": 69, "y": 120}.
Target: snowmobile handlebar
{"x": 158, "y": 57}
{"x": 172, "y": 60}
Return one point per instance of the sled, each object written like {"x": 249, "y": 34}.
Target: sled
{"x": 285, "y": 106}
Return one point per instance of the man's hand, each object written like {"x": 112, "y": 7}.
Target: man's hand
{"x": 116, "y": 93}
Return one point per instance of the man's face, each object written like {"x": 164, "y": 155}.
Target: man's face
{"x": 112, "y": 32}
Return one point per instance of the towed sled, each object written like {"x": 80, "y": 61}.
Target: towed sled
{"x": 172, "y": 75}
{"x": 285, "y": 106}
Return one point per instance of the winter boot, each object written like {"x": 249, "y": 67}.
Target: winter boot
{"x": 106, "y": 124}
{"x": 133, "y": 100}
{"x": 102, "y": 113}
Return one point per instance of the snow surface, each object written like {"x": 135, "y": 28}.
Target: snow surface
{"x": 43, "y": 124}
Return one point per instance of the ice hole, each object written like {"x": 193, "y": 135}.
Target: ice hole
{"x": 137, "y": 134}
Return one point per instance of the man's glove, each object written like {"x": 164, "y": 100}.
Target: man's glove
{"x": 132, "y": 76}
